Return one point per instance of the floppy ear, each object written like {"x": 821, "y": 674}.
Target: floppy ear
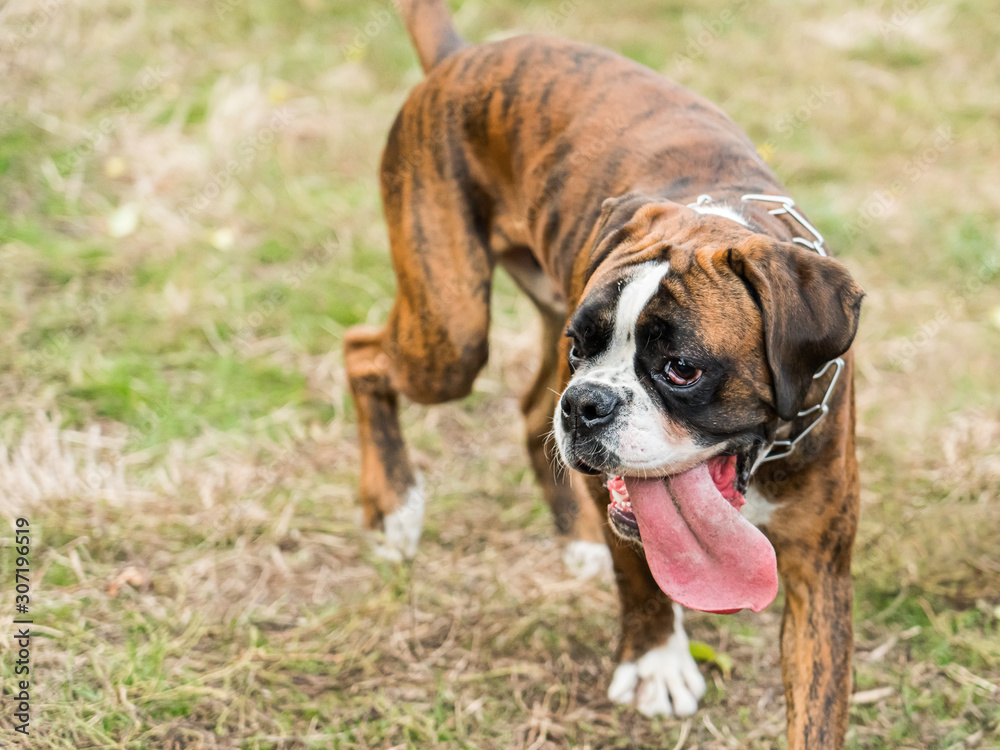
{"x": 810, "y": 307}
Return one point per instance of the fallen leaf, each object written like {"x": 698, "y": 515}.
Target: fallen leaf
{"x": 704, "y": 653}
{"x": 130, "y": 575}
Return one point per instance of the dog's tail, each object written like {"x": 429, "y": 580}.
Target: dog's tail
{"x": 429, "y": 25}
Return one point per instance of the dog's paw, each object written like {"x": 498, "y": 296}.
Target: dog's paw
{"x": 665, "y": 681}
{"x": 402, "y": 527}
{"x": 587, "y": 559}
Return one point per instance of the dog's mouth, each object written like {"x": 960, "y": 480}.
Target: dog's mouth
{"x": 702, "y": 552}
{"x": 722, "y": 470}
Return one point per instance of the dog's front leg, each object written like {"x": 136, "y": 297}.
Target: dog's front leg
{"x": 656, "y": 672}
{"x": 817, "y": 639}
{"x": 813, "y": 544}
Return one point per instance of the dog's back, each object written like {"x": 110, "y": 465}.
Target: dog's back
{"x": 531, "y": 129}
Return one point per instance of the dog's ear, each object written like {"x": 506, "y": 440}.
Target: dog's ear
{"x": 810, "y": 307}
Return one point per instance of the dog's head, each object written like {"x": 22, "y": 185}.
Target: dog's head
{"x": 691, "y": 339}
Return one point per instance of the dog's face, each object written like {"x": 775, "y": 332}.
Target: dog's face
{"x": 692, "y": 339}
{"x": 668, "y": 370}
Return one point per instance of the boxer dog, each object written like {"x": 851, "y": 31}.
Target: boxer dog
{"x": 693, "y": 332}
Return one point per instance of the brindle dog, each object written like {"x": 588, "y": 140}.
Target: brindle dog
{"x": 683, "y": 337}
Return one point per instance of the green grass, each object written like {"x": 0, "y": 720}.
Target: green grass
{"x": 178, "y": 430}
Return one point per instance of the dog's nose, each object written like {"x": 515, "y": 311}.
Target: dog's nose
{"x": 588, "y": 405}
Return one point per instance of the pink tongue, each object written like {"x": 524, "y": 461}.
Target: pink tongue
{"x": 701, "y": 551}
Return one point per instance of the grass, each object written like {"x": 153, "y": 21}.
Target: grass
{"x": 189, "y": 221}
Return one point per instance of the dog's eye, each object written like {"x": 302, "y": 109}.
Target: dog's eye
{"x": 575, "y": 355}
{"x": 576, "y": 348}
{"x": 682, "y": 374}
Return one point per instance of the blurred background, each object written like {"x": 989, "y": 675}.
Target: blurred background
{"x": 189, "y": 220}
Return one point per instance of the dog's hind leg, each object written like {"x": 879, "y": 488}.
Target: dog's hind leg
{"x": 430, "y": 350}
{"x": 391, "y": 494}
{"x": 429, "y": 357}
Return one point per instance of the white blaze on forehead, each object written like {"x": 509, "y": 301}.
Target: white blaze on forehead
{"x": 636, "y": 295}
{"x": 619, "y": 357}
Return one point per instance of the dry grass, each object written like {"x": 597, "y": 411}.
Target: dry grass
{"x": 188, "y": 222}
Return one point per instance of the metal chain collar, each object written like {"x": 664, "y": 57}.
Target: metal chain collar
{"x": 784, "y": 448}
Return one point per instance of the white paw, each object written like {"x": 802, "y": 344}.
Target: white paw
{"x": 587, "y": 559}
{"x": 402, "y": 527}
{"x": 665, "y": 681}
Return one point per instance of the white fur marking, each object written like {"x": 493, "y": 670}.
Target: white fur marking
{"x": 633, "y": 301}
{"x": 641, "y": 439}
{"x": 587, "y": 559}
{"x": 615, "y": 366}
{"x": 403, "y": 526}
{"x": 758, "y": 508}
{"x": 665, "y": 681}
{"x": 724, "y": 211}
{"x": 622, "y": 687}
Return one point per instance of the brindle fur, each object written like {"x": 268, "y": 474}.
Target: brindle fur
{"x": 505, "y": 154}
